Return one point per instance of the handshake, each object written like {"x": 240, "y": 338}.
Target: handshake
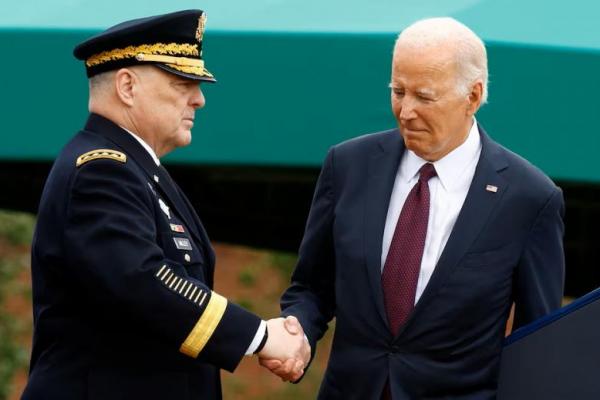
{"x": 286, "y": 352}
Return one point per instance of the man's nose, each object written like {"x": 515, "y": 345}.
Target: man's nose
{"x": 407, "y": 109}
{"x": 197, "y": 100}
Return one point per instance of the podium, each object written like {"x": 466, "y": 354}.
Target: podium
{"x": 556, "y": 357}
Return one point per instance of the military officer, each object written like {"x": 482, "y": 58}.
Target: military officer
{"x": 122, "y": 267}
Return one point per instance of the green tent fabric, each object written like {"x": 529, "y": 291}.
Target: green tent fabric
{"x": 295, "y": 77}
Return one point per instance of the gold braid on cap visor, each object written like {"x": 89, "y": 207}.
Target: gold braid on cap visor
{"x": 158, "y": 52}
{"x": 176, "y": 49}
{"x": 183, "y": 64}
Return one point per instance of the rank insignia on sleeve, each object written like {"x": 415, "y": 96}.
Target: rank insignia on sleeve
{"x": 182, "y": 243}
{"x": 205, "y": 327}
{"x": 177, "y": 228}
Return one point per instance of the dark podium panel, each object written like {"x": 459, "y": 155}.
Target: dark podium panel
{"x": 556, "y": 357}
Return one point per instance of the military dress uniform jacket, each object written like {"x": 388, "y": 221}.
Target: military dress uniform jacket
{"x": 122, "y": 276}
{"x": 506, "y": 245}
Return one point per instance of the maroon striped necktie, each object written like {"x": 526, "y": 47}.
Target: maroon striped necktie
{"x": 403, "y": 261}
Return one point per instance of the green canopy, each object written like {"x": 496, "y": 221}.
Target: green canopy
{"x": 295, "y": 77}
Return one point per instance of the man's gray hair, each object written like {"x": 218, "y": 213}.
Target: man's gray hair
{"x": 100, "y": 82}
{"x": 470, "y": 53}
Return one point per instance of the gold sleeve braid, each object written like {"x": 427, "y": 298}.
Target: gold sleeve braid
{"x": 205, "y": 327}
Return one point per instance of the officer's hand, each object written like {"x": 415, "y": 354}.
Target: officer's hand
{"x": 289, "y": 352}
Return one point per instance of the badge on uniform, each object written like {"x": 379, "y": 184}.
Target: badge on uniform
{"x": 177, "y": 228}
{"x": 164, "y": 207}
{"x": 182, "y": 243}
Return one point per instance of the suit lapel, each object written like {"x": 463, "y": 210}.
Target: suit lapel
{"x": 473, "y": 215}
{"x": 381, "y": 173}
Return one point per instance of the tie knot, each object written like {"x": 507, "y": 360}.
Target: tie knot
{"x": 427, "y": 172}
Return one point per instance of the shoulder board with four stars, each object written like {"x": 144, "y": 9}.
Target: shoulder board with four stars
{"x": 99, "y": 154}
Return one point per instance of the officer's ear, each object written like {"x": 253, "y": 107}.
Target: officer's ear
{"x": 125, "y": 82}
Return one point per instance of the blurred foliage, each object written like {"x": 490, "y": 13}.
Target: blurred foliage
{"x": 16, "y": 231}
{"x": 247, "y": 276}
{"x": 12, "y": 355}
{"x": 246, "y": 303}
{"x": 16, "y": 228}
{"x": 284, "y": 263}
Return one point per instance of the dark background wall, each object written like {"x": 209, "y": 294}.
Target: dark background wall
{"x": 266, "y": 207}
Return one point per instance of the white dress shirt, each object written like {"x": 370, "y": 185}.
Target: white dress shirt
{"x": 448, "y": 191}
{"x": 260, "y": 332}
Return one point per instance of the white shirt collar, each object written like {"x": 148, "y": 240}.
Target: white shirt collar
{"x": 144, "y": 145}
{"x": 451, "y": 166}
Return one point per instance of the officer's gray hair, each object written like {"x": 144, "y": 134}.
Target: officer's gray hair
{"x": 99, "y": 83}
{"x": 471, "y": 56}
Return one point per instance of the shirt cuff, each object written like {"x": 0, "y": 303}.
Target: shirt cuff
{"x": 258, "y": 337}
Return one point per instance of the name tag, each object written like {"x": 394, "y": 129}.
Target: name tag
{"x": 182, "y": 243}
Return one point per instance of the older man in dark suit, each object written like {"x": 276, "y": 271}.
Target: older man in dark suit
{"x": 420, "y": 238}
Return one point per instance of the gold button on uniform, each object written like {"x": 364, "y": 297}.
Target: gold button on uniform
{"x": 187, "y": 257}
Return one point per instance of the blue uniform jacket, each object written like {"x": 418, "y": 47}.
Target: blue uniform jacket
{"x": 122, "y": 275}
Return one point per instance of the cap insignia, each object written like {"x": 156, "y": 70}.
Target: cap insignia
{"x": 200, "y": 29}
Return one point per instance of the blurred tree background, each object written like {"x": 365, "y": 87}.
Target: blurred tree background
{"x": 16, "y": 231}
{"x": 251, "y": 277}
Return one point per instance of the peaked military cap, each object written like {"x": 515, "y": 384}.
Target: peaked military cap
{"x": 172, "y": 42}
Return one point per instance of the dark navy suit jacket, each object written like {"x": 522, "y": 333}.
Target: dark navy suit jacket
{"x": 505, "y": 246}
{"x": 122, "y": 310}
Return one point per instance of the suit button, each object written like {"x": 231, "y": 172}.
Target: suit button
{"x": 395, "y": 349}
{"x": 187, "y": 257}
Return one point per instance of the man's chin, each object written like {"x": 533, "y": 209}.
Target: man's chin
{"x": 417, "y": 147}
{"x": 412, "y": 143}
{"x": 184, "y": 138}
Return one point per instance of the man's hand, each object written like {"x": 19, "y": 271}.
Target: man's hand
{"x": 287, "y": 351}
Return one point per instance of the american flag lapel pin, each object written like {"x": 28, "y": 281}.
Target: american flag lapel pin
{"x": 491, "y": 188}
